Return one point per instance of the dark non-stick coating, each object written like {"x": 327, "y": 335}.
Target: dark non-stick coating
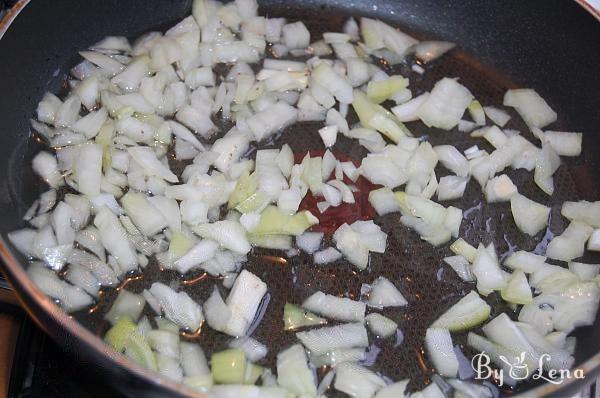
{"x": 549, "y": 45}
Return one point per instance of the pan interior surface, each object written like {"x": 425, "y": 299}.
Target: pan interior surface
{"x": 413, "y": 265}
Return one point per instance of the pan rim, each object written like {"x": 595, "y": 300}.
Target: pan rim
{"x": 31, "y": 299}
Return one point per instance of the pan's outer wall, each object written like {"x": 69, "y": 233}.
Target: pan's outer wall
{"x": 550, "y": 45}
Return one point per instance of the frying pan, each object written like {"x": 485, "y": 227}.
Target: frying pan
{"x": 552, "y": 46}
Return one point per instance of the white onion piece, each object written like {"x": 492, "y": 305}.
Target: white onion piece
{"x": 90, "y": 124}
{"x": 326, "y": 256}
{"x": 289, "y": 200}
{"x": 487, "y": 271}
{"x": 332, "y": 195}
{"x": 273, "y": 27}
{"x": 328, "y": 165}
{"x": 381, "y": 170}
{"x": 266, "y": 123}
{"x": 285, "y": 160}
{"x": 200, "y": 253}
{"x": 546, "y": 163}
{"x": 126, "y": 304}
{"x": 309, "y": 242}
{"x": 322, "y": 340}
{"x": 564, "y": 143}
{"x": 295, "y": 35}
{"x": 293, "y": 372}
{"x": 169, "y": 210}
{"x": 503, "y": 331}
{"x": 243, "y": 302}
{"x": 534, "y": 110}
{"x": 83, "y": 278}
{"x": 230, "y": 235}
{"x": 451, "y": 187}
{"x": 254, "y": 350}
{"x": 103, "y": 273}
{"x": 384, "y": 201}
{"x": 584, "y": 211}
{"x": 327, "y": 77}
{"x": 445, "y": 105}
{"x": 216, "y": 312}
{"x": 61, "y": 223}
{"x": 147, "y": 159}
{"x": 594, "y": 241}
{"x": 107, "y": 64}
{"x": 144, "y": 215}
{"x": 178, "y": 307}
{"x": 350, "y": 244}
{"x": 441, "y": 351}
{"x": 453, "y": 160}
{"x": 114, "y": 239}
{"x": 328, "y": 135}
{"x": 23, "y": 240}
{"x": 193, "y": 360}
{"x": 530, "y": 217}
{"x": 357, "y": 381}
{"x": 384, "y": 294}
{"x": 381, "y": 326}
{"x": 461, "y": 266}
{"x": 196, "y": 119}
{"x": 525, "y": 261}
{"x": 45, "y": 165}
{"x": 499, "y": 189}
{"x": 71, "y": 298}
{"x": 338, "y": 308}
{"x": 571, "y": 243}
{"x": 476, "y": 112}
{"x": 346, "y": 192}
{"x": 394, "y": 390}
{"x": 496, "y": 115}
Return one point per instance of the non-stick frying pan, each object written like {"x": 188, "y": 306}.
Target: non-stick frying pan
{"x": 552, "y": 46}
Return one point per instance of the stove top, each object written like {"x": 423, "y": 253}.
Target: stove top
{"x": 37, "y": 367}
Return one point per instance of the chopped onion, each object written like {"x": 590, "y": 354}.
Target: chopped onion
{"x": 383, "y": 294}
{"x": 469, "y": 312}
{"x": 326, "y": 339}
{"x": 114, "y": 239}
{"x": 309, "y": 242}
{"x": 452, "y": 159}
{"x": 531, "y": 106}
{"x": 243, "y": 302}
{"x": 327, "y": 255}
{"x": 451, "y": 187}
{"x": 477, "y": 113}
{"x": 441, "y": 351}
{"x": 564, "y": 143}
{"x": 530, "y": 217}
{"x": 126, "y": 304}
{"x": 499, "y": 189}
{"x": 339, "y": 308}
{"x": 357, "y": 381}
{"x": 381, "y": 326}
{"x": 71, "y": 298}
{"x": 584, "y": 211}
{"x": 293, "y": 372}
{"x": 496, "y": 115}
{"x": 571, "y": 243}
{"x": 178, "y": 307}
{"x": 461, "y": 266}
{"x": 295, "y": 35}
{"x": 525, "y": 261}
{"x": 445, "y": 105}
